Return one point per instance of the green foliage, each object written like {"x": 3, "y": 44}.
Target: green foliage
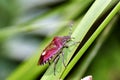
{"x": 75, "y": 59}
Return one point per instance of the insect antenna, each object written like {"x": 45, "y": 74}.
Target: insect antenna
{"x": 70, "y": 28}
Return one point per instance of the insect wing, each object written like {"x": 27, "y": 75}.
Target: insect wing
{"x": 48, "y": 52}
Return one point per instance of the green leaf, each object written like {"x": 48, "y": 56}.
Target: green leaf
{"x": 83, "y": 27}
{"x": 80, "y": 69}
{"x": 91, "y": 39}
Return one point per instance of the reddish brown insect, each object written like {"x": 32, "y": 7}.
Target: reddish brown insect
{"x": 54, "y": 49}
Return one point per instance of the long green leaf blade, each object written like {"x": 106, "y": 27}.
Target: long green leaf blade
{"x": 93, "y": 13}
{"x": 92, "y": 38}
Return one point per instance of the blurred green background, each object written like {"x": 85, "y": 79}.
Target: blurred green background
{"x": 24, "y": 25}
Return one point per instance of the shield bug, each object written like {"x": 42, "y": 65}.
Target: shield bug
{"x": 54, "y": 49}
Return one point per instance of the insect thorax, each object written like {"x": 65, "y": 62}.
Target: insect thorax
{"x": 66, "y": 39}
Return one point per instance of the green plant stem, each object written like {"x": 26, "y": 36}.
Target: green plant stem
{"x": 81, "y": 67}
{"x": 91, "y": 39}
{"x": 82, "y": 28}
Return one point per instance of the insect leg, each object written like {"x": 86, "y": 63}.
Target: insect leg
{"x": 74, "y": 43}
{"x": 55, "y": 61}
{"x": 63, "y": 58}
{"x": 49, "y": 62}
{"x": 70, "y": 28}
